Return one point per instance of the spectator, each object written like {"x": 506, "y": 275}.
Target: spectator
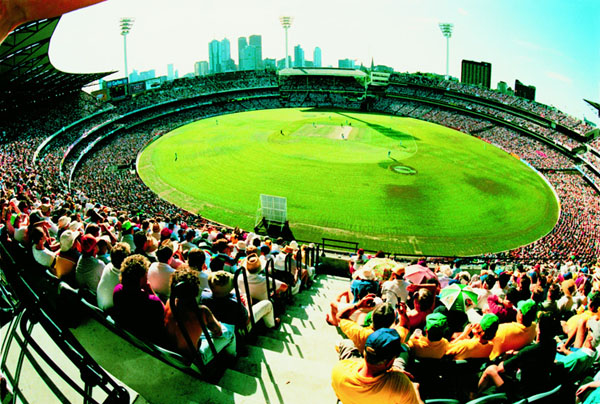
{"x": 159, "y": 274}
{"x": 136, "y": 306}
{"x": 110, "y": 275}
{"x": 184, "y": 294}
{"x": 530, "y": 361}
{"x": 89, "y": 268}
{"x": 515, "y": 335}
{"x": 372, "y": 379}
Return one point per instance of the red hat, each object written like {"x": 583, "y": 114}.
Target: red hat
{"x": 88, "y": 243}
{"x": 166, "y": 232}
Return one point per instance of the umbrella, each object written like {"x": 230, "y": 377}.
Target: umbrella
{"x": 455, "y": 296}
{"x": 382, "y": 267}
{"x": 418, "y": 273}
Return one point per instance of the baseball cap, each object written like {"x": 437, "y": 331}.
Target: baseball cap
{"x": 127, "y": 225}
{"x": 525, "y": 306}
{"x": 435, "y": 320}
{"x": 488, "y": 320}
{"x": 384, "y": 343}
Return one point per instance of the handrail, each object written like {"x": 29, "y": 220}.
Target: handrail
{"x": 36, "y": 309}
{"x": 241, "y": 270}
{"x": 270, "y": 279}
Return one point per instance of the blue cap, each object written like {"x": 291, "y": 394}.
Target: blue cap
{"x": 384, "y": 343}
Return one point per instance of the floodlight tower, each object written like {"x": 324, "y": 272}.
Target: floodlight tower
{"x": 286, "y": 23}
{"x": 126, "y": 24}
{"x": 447, "y": 32}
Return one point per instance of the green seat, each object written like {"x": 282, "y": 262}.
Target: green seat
{"x": 442, "y": 401}
{"x": 498, "y": 398}
{"x": 549, "y": 397}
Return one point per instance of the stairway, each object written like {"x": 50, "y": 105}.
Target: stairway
{"x": 284, "y": 366}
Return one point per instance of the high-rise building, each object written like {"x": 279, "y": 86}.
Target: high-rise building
{"x": 317, "y": 57}
{"x": 281, "y": 62}
{"x": 214, "y": 55}
{"x": 249, "y": 59}
{"x": 242, "y": 45}
{"x": 256, "y": 41}
{"x": 346, "y": 64}
{"x": 225, "y": 60}
{"x": 477, "y": 73}
{"x": 270, "y": 63}
{"x": 298, "y": 56}
{"x": 224, "y": 50}
{"x": 134, "y": 76}
{"x": 525, "y": 91}
{"x": 170, "y": 72}
{"x": 201, "y": 68}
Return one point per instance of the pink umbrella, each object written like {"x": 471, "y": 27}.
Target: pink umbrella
{"x": 418, "y": 273}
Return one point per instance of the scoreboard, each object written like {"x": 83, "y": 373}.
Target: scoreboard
{"x": 117, "y": 89}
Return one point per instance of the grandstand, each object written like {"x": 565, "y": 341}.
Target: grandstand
{"x": 69, "y": 154}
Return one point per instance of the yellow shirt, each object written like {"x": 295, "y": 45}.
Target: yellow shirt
{"x": 423, "y": 348}
{"x": 573, "y": 322}
{"x": 512, "y": 336}
{"x": 359, "y": 334}
{"x": 469, "y": 348}
{"x": 392, "y": 387}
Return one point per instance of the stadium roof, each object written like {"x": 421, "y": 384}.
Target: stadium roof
{"x": 316, "y": 71}
{"x": 26, "y": 73}
{"x": 594, "y": 104}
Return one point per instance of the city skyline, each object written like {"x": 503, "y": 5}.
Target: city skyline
{"x": 553, "y": 47}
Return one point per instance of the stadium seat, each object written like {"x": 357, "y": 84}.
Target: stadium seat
{"x": 499, "y": 398}
{"x": 442, "y": 401}
{"x": 549, "y": 397}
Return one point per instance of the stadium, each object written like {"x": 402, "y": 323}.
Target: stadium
{"x": 414, "y": 169}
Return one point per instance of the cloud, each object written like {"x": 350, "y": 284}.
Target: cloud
{"x": 559, "y": 77}
{"x": 462, "y": 11}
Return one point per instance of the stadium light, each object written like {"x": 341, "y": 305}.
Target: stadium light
{"x": 446, "y": 29}
{"x": 286, "y": 23}
{"x": 126, "y": 24}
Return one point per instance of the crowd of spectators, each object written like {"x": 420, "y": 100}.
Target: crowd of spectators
{"x": 320, "y": 84}
{"x": 536, "y": 108}
{"x": 522, "y": 330}
{"x": 100, "y": 179}
{"x": 578, "y": 229}
{"x": 97, "y": 237}
{"x": 502, "y": 114}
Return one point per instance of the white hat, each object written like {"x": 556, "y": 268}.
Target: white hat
{"x": 366, "y": 274}
{"x": 294, "y": 244}
{"x": 63, "y": 222}
{"x": 76, "y": 226}
{"x": 67, "y": 238}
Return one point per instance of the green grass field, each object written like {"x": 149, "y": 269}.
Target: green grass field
{"x": 440, "y": 192}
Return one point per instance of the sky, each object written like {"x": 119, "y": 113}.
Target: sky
{"x": 552, "y": 44}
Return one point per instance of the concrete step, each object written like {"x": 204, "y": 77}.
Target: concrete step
{"x": 141, "y": 371}
{"x": 283, "y": 378}
{"x": 299, "y": 347}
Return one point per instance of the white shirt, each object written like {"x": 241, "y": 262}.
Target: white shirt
{"x": 43, "y": 257}
{"x": 88, "y": 272}
{"x": 108, "y": 281}
{"x": 159, "y": 276}
{"x": 258, "y": 286}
